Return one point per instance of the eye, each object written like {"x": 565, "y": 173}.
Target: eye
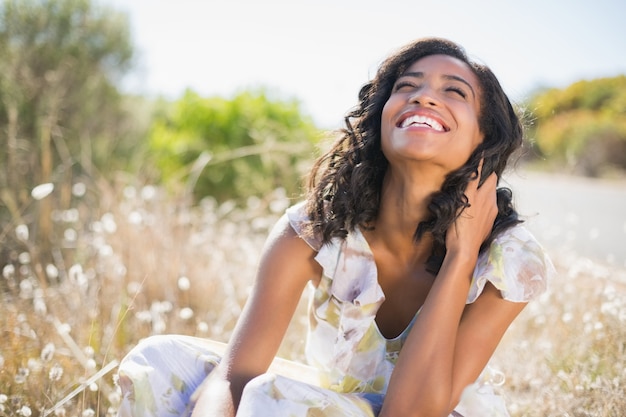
{"x": 457, "y": 90}
{"x": 404, "y": 85}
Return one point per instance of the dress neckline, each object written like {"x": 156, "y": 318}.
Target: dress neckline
{"x": 358, "y": 235}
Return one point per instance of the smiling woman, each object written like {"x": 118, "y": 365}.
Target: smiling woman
{"x": 433, "y": 110}
{"x": 417, "y": 260}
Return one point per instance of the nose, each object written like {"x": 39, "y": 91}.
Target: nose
{"x": 424, "y": 96}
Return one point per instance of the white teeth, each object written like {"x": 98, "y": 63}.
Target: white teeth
{"x": 422, "y": 120}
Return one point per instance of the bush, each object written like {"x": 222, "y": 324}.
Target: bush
{"x": 232, "y": 149}
{"x": 582, "y": 128}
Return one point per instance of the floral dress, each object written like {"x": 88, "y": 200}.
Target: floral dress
{"x": 352, "y": 361}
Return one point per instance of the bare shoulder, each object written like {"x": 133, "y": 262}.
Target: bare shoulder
{"x": 285, "y": 249}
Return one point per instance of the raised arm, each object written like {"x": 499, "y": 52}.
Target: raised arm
{"x": 286, "y": 266}
{"x": 450, "y": 342}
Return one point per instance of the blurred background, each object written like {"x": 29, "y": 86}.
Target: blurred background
{"x": 149, "y": 145}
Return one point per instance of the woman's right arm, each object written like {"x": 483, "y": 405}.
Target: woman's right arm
{"x": 286, "y": 266}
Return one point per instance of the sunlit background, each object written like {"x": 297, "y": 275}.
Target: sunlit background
{"x": 137, "y": 203}
{"x": 321, "y": 52}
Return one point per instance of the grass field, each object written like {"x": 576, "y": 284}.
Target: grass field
{"x": 143, "y": 263}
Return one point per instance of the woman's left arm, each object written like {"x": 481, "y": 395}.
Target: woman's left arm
{"x": 451, "y": 343}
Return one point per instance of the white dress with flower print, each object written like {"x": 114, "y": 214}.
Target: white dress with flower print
{"x": 353, "y": 361}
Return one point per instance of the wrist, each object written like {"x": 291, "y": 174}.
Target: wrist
{"x": 462, "y": 255}
{"x": 462, "y": 262}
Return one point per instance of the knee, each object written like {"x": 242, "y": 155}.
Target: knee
{"x": 159, "y": 374}
{"x": 138, "y": 366}
{"x": 260, "y": 386}
{"x": 147, "y": 348}
{"x": 262, "y": 382}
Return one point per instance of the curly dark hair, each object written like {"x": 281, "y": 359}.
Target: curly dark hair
{"x": 345, "y": 183}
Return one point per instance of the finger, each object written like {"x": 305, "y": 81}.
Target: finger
{"x": 479, "y": 170}
{"x": 491, "y": 180}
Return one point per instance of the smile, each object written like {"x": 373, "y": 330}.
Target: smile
{"x": 419, "y": 120}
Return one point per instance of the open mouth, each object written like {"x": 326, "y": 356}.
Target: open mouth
{"x": 424, "y": 121}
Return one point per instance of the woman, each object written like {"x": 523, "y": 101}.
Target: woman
{"x": 418, "y": 260}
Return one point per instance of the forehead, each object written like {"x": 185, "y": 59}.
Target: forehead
{"x": 444, "y": 65}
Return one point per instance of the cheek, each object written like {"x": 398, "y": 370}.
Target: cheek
{"x": 474, "y": 130}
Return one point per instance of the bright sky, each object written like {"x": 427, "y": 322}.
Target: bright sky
{"x": 321, "y": 51}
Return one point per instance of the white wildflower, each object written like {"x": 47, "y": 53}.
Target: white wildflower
{"x": 567, "y": 317}
{"x": 76, "y": 274}
{"x": 70, "y": 235}
{"x": 108, "y": 223}
{"x": 148, "y": 192}
{"x": 79, "y": 189}
{"x": 26, "y": 289}
{"x": 253, "y": 202}
{"x": 3, "y": 398}
{"x": 56, "y": 372}
{"x": 39, "y": 305}
{"x": 133, "y": 287}
{"x": 161, "y": 307}
{"x": 70, "y": 215}
{"x": 52, "y": 271}
{"x": 105, "y": 251}
{"x": 24, "y": 258}
{"x": 8, "y": 271}
{"x": 203, "y": 327}
{"x": 21, "y": 375}
{"x": 25, "y": 411}
{"x": 119, "y": 270}
{"x": 114, "y": 397}
{"x": 89, "y": 351}
{"x": 47, "y": 352}
{"x": 21, "y": 232}
{"x": 183, "y": 283}
{"x": 143, "y": 316}
{"x": 158, "y": 325}
{"x": 42, "y": 191}
{"x": 88, "y": 413}
{"x": 130, "y": 192}
{"x": 135, "y": 217}
{"x": 64, "y": 328}
{"x": 90, "y": 365}
{"x": 35, "y": 365}
{"x": 185, "y": 313}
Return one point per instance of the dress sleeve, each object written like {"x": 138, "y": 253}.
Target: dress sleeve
{"x": 298, "y": 220}
{"x": 515, "y": 264}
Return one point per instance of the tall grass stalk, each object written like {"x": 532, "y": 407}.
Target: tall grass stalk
{"x": 141, "y": 262}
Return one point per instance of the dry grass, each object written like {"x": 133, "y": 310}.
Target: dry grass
{"x": 143, "y": 263}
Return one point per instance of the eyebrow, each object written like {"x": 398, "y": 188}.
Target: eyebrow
{"x": 420, "y": 74}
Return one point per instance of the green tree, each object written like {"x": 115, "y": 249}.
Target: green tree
{"x": 60, "y": 112}
{"x": 582, "y": 128}
{"x": 231, "y": 149}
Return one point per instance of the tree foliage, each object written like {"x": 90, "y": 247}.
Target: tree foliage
{"x": 233, "y": 148}
{"x": 61, "y": 114}
{"x": 582, "y": 128}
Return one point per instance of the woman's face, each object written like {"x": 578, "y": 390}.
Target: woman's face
{"x": 432, "y": 114}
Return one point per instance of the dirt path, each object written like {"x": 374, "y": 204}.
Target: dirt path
{"x": 585, "y": 215}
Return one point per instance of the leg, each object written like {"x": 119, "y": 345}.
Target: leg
{"x": 158, "y": 376}
{"x": 276, "y": 396}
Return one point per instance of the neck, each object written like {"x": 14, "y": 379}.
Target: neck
{"x": 404, "y": 204}
{"x": 405, "y": 197}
